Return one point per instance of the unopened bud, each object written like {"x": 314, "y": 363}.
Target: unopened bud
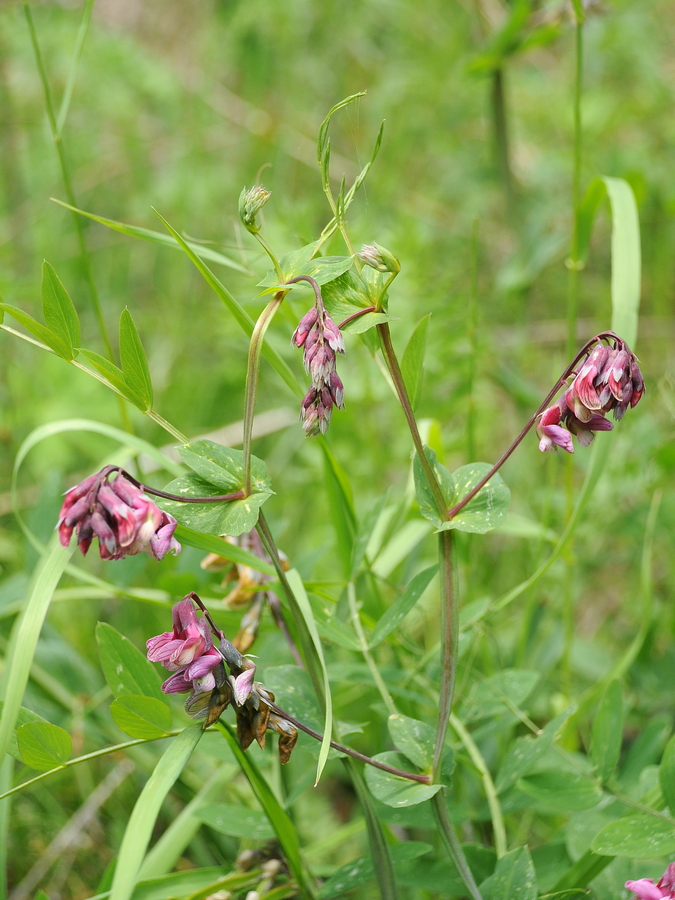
{"x": 251, "y": 201}
{"x": 378, "y": 257}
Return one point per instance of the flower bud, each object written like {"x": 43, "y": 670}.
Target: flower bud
{"x": 378, "y": 257}
{"x": 251, "y": 201}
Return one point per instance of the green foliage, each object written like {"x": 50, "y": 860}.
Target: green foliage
{"x": 126, "y": 669}
{"x": 43, "y": 746}
{"x": 141, "y": 717}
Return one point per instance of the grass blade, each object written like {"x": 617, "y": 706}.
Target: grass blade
{"x": 626, "y": 259}
{"x": 279, "y": 819}
{"x": 212, "y": 544}
{"x": 25, "y": 636}
{"x": 156, "y": 237}
{"x": 142, "y": 821}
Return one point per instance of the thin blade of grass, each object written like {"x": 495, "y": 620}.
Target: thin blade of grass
{"x": 25, "y": 634}
{"x": 142, "y": 821}
{"x": 279, "y": 819}
{"x": 156, "y": 237}
{"x": 72, "y": 75}
{"x": 212, "y": 544}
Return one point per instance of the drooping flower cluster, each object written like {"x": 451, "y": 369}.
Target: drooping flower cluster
{"x": 198, "y": 666}
{"x": 609, "y": 381}
{"x": 645, "y": 889}
{"x": 123, "y": 518}
{"x": 321, "y": 340}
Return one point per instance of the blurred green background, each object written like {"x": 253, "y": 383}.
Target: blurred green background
{"x": 178, "y": 104}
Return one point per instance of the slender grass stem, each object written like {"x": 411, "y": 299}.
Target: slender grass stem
{"x": 453, "y": 845}
{"x": 252, "y": 375}
{"x": 488, "y": 784}
{"x": 268, "y": 250}
{"x": 574, "y": 263}
{"x": 167, "y": 426}
{"x": 501, "y": 136}
{"x": 363, "y": 646}
{"x": 449, "y": 642}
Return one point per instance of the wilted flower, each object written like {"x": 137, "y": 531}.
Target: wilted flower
{"x": 609, "y": 380}
{"x": 124, "y": 519}
{"x": 321, "y": 340}
{"x": 645, "y": 888}
{"x": 251, "y": 201}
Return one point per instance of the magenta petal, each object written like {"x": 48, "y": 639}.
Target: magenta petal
{"x": 203, "y": 665}
{"x": 242, "y": 686}
{"x": 177, "y": 684}
{"x": 558, "y": 436}
{"x": 162, "y": 647}
{"x": 645, "y": 889}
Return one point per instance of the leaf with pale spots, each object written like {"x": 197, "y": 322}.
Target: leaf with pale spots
{"x": 126, "y": 669}
{"x": 638, "y": 836}
{"x": 223, "y": 467}
{"x": 514, "y": 877}
{"x": 488, "y": 509}
{"x": 393, "y": 790}
{"x": 232, "y": 518}
{"x": 236, "y": 821}
{"x": 423, "y": 491}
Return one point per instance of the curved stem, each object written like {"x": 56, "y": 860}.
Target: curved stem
{"x": 221, "y": 498}
{"x": 604, "y": 335}
{"x": 488, "y": 784}
{"x": 356, "y": 315}
{"x": 252, "y": 373}
{"x": 315, "y": 285}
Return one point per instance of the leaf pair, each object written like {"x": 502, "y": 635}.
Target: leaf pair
{"x": 484, "y": 512}
{"x": 61, "y": 333}
{"x": 132, "y": 381}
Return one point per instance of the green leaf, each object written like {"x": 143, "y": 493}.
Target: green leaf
{"x": 667, "y": 775}
{"x": 236, "y": 821}
{"x": 58, "y": 310}
{"x": 607, "y": 732}
{"x": 134, "y": 360}
{"x": 583, "y": 871}
{"x": 24, "y": 716}
{"x": 156, "y": 237}
{"x": 279, "y": 819}
{"x": 414, "y": 739}
{"x": 392, "y": 790}
{"x": 231, "y": 518}
{"x": 142, "y": 821}
{"x": 493, "y": 696}
{"x": 366, "y": 322}
{"x": 626, "y": 259}
{"x": 562, "y": 790}
{"x": 364, "y": 534}
{"x": 412, "y": 363}
{"x": 43, "y": 746}
{"x": 360, "y": 871}
{"x": 223, "y": 467}
{"x": 637, "y": 836}
{"x": 141, "y": 717}
{"x": 400, "y": 609}
{"x": 115, "y": 376}
{"x": 126, "y": 669}
{"x": 41, "y": 332}
{"x": 193, "y": 883}
{"x": 588, "y": 210}
{"x": 425, "y": 497}
{"x": 340, "y": 505}
{"x": 322, "y": 138}
{"x": 514, "y": 878}
{"x": 322, "y": 269}
{"x": 346, "y": 295}
{"x": 212, "y": 544}
{"x": 488, "y": 509}
{"x": 302, "y": 601}
{"x": 525, "y": 751}
{"x": 25, "y": 634}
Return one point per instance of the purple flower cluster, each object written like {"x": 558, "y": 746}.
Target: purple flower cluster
{"x": 119, "y": 514}
{"x": 645, "y": 889}
{"x": 187, "y": 651}
{"x": 321, "y": 340}
{"x": 198, "y": 666}
{"x": 609, "y": 380}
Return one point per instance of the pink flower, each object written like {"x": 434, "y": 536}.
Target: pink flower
{"x": 645, "y": 888}
{"x": 321, "y": 341}
{"x": 119, "y": 514}
{"x": 187, "y": 651}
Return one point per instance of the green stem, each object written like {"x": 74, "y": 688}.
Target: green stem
{"x": 501, "y": 135}
{"x": 57, "y": 137}
{"x": 471, "y": 339}
{"x": 363, "y": 646}
{"x": 404, "y": 400}
{"x": 574, "y": 262}
{"x": 268, "y": 250}
{"x": 453, "y": 845}
{"x": 449, "y": 642}
{"x": 488, "y": 784}
{"x": 252, "y": 373}
{"x": 167, "y": 426}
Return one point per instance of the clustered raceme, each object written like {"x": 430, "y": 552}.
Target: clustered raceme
{"x": 198, "y": 666}
{"x": 645, "y": 889}
{"x": 609, "y": 380}
{"x": 119, "y": 514}
{"x": 321, "y": 340}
